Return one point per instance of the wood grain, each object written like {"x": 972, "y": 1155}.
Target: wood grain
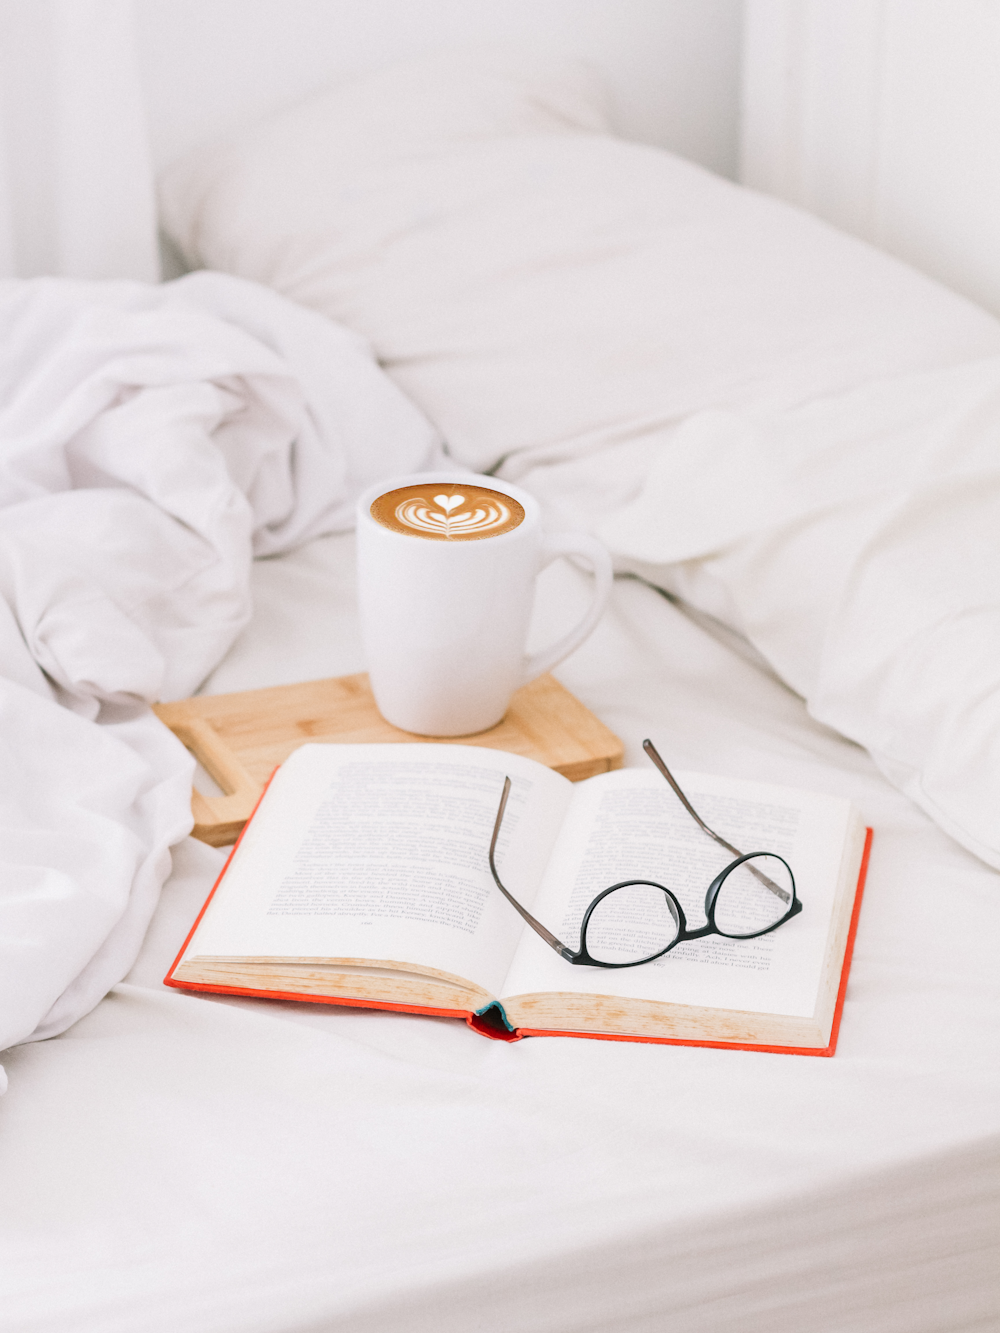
{"x": 239, "y": 739}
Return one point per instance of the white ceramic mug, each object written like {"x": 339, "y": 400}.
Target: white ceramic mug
{"x": 445, "y": 623}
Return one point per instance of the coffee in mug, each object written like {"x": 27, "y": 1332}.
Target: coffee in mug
{"x": 446, "y": 583}
{"x": 447, "y": 513}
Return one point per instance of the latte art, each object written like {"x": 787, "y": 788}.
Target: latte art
{"x": 443, "y": 518}
{"x": 448, "y": 513}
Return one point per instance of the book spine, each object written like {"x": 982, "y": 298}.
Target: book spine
{"x": 491, "y": 1021}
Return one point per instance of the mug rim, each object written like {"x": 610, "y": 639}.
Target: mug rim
{"x": 532, "y": 509}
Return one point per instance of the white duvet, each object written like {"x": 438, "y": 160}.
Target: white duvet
{"x": 152, "y": 442}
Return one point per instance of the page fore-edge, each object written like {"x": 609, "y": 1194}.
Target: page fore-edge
{"x": 495, "y": 1031}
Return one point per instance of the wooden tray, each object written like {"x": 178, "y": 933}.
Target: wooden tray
{"x": 239, "y": 739}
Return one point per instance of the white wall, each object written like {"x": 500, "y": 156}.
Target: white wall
{"x": 76, "y": 183}
{"x": 97, "y": 95}
{"x": 209, "y": 65}
{"x": 881, "y": 115}
{"x": 884, "y": 117}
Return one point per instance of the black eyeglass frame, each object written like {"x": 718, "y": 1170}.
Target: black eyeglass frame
{"x": 582, "y": 958}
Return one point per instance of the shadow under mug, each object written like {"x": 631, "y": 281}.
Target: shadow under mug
{"x": 445, "y": 623}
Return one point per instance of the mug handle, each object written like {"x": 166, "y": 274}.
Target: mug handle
{"x": 590, "y": 550}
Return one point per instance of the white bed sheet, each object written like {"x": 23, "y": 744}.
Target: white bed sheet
{"x": 229, "y": 1165}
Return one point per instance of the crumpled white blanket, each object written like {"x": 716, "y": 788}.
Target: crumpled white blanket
{"x": 153, "y": 440}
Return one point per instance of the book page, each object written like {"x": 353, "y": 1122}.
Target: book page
{"x": 381, "y": 852}
{"x": 630, "y": 825}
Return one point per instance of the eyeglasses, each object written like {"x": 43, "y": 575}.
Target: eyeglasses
{"x": 638, "y": 920}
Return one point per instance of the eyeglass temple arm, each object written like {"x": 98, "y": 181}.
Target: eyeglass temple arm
{"x": 651, "y": 750}
{"x": 759, "y": 875}
{"x": 546, "y": 935}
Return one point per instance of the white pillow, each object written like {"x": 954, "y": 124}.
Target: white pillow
{"x": 793, "y": 430}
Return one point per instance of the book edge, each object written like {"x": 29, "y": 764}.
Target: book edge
{"x": 168, "y": 980}
{"x": 849, "y": 946}
{"x": 321, "y": 999}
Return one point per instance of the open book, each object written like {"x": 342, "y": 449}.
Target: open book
{"x": 363, "y": 878}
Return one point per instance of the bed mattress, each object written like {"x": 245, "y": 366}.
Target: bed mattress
{"x": 228, "y": 1165}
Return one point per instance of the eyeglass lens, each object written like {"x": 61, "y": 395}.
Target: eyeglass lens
{"x": 634, "y": 922}
{"x": 749, "y": 903}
